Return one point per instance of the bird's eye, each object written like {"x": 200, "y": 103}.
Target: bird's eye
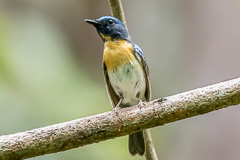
{"x": 110, "y": 21}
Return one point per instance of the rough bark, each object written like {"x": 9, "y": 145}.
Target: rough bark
{"x": 93, "y": 129}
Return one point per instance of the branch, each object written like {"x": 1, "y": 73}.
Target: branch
{"x": 108, "y": 125}
{"x": 150, "y": 150}
{"x": 117, "y": 10}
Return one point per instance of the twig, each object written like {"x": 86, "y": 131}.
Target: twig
{"x": 93, "y": 129}
{"x": 150, "y": 150}
{"x": 117, "y": 10}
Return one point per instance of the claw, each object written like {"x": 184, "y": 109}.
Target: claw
{"x": 140, "y": 104}
{"x": 117, "y": 110}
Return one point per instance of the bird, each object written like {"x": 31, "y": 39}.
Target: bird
{"x": 126, "y": 71}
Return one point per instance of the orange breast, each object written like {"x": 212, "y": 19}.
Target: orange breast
{"x": 117, "y": 53}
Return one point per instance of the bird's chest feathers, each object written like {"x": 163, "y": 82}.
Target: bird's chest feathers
{"x": 128, "y": 81}
{"x": 117, "y": 53}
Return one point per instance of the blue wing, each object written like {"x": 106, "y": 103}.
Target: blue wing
{"x": 142, "y": 60}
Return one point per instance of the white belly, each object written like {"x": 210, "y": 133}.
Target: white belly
{"x": 128, "y": 82}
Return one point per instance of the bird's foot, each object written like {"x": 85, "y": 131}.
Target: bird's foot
{"x": 117, "y": 110}
{"x": 140, "y": 104}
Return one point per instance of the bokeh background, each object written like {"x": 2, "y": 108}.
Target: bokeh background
{"x": 51, "y": 70}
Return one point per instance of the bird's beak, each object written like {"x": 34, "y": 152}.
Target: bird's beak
{"x": 92, "y": 22}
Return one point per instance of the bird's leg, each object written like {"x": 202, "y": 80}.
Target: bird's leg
{"x": 117, "y": 110}
{"x": 120, "y": 101}
{"x": 140, "y": 103}
{"x": 117, "y": 107}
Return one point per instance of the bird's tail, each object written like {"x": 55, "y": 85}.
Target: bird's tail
{"x": 136, "y": 144}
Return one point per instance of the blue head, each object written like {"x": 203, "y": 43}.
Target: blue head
{"x": 109, "y": 28}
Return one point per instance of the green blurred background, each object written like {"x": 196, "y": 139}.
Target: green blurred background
{"x": 51, "y": 70}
